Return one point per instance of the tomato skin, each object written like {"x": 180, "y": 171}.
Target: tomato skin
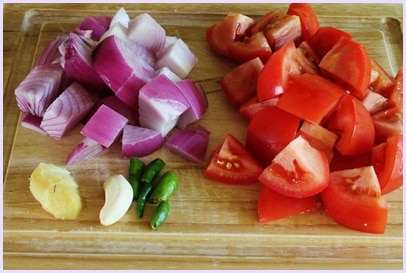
{"x": 298, "y": 171}
{"x": 349, "y": 64}
{"x": 308, "y": 19}
{"x": 273, "y": 206}
{"x": 341, "y": 162}
{"x": 354, "y": 126}
{"x": 252, "y": 106}
{"x": 325, "y": 38}
{"x": 269, "y": 131}
{"x": 352, "y": 208}
{"x": 250, "y": 48}
{"x": 240, "y": 84}
{"x": 387, "y": 159}
{"x": 310, "y": 97}
{"x": 231, "y": 163}
{"x": 286, "y": 29}
{"x": 273, "y": 79}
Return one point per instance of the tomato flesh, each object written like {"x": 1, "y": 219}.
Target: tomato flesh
{"x": 308, "y": 19}
{"x": 273, "y": 206}
{"x": 325, "y": 38}
{"x": 231, "y": 163}
{"x": 353, "y": 208}
{"x": 298, "y": 171}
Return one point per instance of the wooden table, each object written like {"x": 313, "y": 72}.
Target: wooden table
{"x": 212, "y": 226}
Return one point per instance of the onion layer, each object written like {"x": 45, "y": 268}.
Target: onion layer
{"x": 138, "y": 141}
{"x": 85, "y": 150}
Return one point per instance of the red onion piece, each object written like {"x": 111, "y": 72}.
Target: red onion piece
{"x": 161, "y": 103}
{"x": 39, "y": 88}
{"x": 97, "y": 24}
{"x": 144, "y": 26}
{"x": 167, "y": 72}
{"x": 104, "y": 126}
{"x": 121, "y": 17}
{"x": 178, "y": 58}
{"x": 190, "y": 144}
{"x": 140, "y": 141}
{"x": 197, "y": 100}
{"x": 32, "y": 122}
{"x": 85, "y": 150}
{"x": 77, "y": 63}
{"x": 115, "y": 30}
{"x": 51, "y": 53}
{"x": 66, "y": 111}
{"x": 125, "y": 67}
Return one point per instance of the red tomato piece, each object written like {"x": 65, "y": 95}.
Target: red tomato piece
{"x": 252, "y": 106}
{"x": 269, "y": 131}
{"x": 341, "y": 162}
{"x": 349, "y": 64}
{"x": 263, "y": 21}
{"x": 232, "y": 28}
{"x": 273, "y": 206}
{"x": 396, "y": 93}
{"x": 353, "y": 200}
{"x": 231, "y": 163}
{"x": 308, "y": 19}
{"x": 310, "y": 97}
{"x": 250, "y": 48}
{"x": 381, "y": 82}
{"x": 387, "y": 159}
{"x": 353, "y": 125}
{"x": 325, "y": 38}
{"x": 298, "y": 171}
{"x": 286, "y": 29}
{"x": 273, "y": 78}
{"x": 240, "y": 84}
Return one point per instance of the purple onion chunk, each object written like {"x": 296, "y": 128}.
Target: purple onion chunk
{"x": 139, "y": 141}
{"x": 85, "y": 150}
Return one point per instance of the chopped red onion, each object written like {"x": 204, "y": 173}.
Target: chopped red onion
{"x": 97, "y": 24}
{"x": 190, "y": 144}
{"x": 104, "y": 126}
{"x": 161, "y": 103}
{"x": 77, "y": 63}
{"x": 178, "y": 58}
{"x": 197, "y": 100}
{"x": 125, "y": 67}
{"x": 66, "y": 111}
{"x": 85, "y": 150}
{"x": 117, "y": 30}
{"x": 32, "y": 122}
{"x": 51, "y": 53}
{"x": 121, "y": 17}
{"x": 139, "y": 141}
{"x": 144, "y": 26}
{"x": 39, "y": 88}
{"x": 167, "y": 72}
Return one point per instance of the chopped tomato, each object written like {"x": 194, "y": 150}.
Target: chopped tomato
{"x": 232, "y": 28}
{"x": 273, "y": 79}
{"x": 273, "y": 206}
{"x": 298, "y": 171}
{"x": 341, "y": 162}
{"x": 231, "y": 163}
{"x": 310, "y": 97}
{"x": 388, "y": 122}
{"x": 308, "y": 19}
{"x": 263, "y": 21}
{"x": 395, "y": 95}
{"x": 387, "y": 159}
{"x": 353, "y": 200}
{"x": 325, "y": 38}
{"x": 240, "y": 84}
{"x": 349, "y": 64}
{"x": 381, "y": 82}
{"x": 250, "y": 48}
{"x": 269, "y": 131}
{"x": 353, "y": 125}
{"x": 252, "y": 106}
{"x": 285, "y": 29}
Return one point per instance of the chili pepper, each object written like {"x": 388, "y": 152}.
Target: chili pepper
{"x": 136, "y": 170}
{"x": 152, "y": 170}
{"x": 159, "y": 215}
{"x": 142, "y": 198}
{"x": 165, "y": 187}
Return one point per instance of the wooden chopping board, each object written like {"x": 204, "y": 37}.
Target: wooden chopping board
{"x": 211, "y": 225}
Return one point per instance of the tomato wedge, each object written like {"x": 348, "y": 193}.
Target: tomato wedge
{"x": 353, "y": 200}
{"x": 348, "y": 63}
{"x": 387, "y": 159}
{"x": 308, "y": 19}
{"x": 325, "y": 38}
{"x": 231, "y": 163}
{"x": 354, "y": 126}
{"x": 273, "y": 206}
{"x": 298, "y": 171}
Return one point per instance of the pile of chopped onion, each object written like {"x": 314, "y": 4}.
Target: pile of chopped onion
{"x": 125, "y": 80}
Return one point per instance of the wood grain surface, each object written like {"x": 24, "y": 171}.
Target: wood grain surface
{"x": 211, "y": 225}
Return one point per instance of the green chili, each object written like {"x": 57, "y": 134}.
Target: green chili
{"x": 152, "y": 170}
{"x": 159, "y": 215}
{"x": 136, "y": 170}
{"x": 165, "y": 187}
{"x": 142, "y": 199}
